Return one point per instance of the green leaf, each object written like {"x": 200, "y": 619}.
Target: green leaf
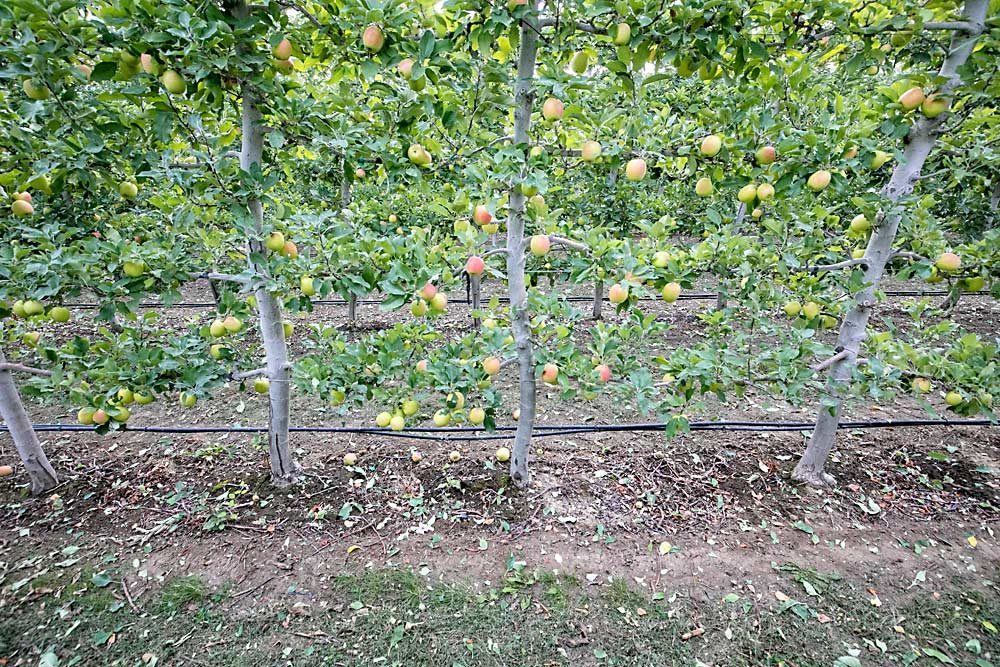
{"x": 100, "y": 579}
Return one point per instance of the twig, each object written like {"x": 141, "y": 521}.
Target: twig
{"x": 830, "y": 362}
{"x": 902, "y": 254}
{"x": 128, "y": 597}
{"x": 575, "y": 245}
{"x": 839, "y": 265}
{"x": 228, "y": 277}
{"x": 21, "y": 368}
{"x": 495, "y": 251}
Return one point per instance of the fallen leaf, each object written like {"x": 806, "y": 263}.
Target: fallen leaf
{"x": 665, "y": 548}
{"x": 823, "y": 618}
{"x": 781, "y": 597}
{"x": 971, "y": 539}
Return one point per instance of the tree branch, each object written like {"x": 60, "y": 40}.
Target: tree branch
{"x": 839, "y": 265}
{"x": 830, "y": 362}
{"x": 961, "y": 26}
{"x": 579, "y": 25}
{"x": 248, "y": 374}
{"x": 902, "y": 254}
{"x": 227, "y": 277}
{"x": 495, "y": 251}
{"x": 297, "y": 7}
{"x": 573, "y": 245}
{"x": 21, "y": 368}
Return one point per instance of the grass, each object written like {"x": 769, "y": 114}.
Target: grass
{"x": 394, "y": 618}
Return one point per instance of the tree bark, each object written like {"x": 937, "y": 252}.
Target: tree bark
{"x": 598, "y": 298}
{"x": 40, "y": 471}
{"x": 284, "y": 469}
{"x": 352, "y": 310}
{"x": 919, "y": 142}
{"x": 521, "y": 329}
{"x": 475, "y": 292}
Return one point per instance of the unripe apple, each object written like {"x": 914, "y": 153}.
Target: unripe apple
{"x": 858, "y": 253}
{"x": 704, "y": 187}
{"x": 661, "y": 258}
{"x": 819, "y": 180}
{"x": 850, "y": 152}
{"x": 288, "y": 329}
{"x": 973, "y": 284}
{"x": 792, "y": 308}
{"x": 590, "y": 151}
{"x": 553, "y": 109}
{"x": 442, "y": 418}
{"x": 100, "y": 417}
{"x": 35, "y": 90}
{"x": 410, "y": 407}
{"x": 173, "y": 82}
{"x": 125, "y": 396}
{"x": 382, "y": 419}
{"x": 18, "y": 309}
{"x": 757, "y": 213}
{"x": 711, "y": 145}
{"x": 617, "y": 294}
{"x": 860, "y": 224}
{"x": 911, "y": 99}
{"x": 765, "y": 191}
{"x": 350, "y": 459}
{"x": 481, "y": 215}
{"x": 454, "y": 456}
{"x": 540, "y": 245}
{"x": 635, "y": 170}
{"x": 275, "y": 242}
{"x": 59, "y": 314}
{"x": 418, "y": 308}
{"x": 879, "y": 159}
{"x": 550, "y": 372}
{"x": 579, "y": 62}
{"x": 188, "y": 399}
{"x": 828, "y": 322}
{"x": 143, "y": 398}
{"x": 537, "y": 206}
{"x": 397, "y": 423}
{"x": 766, "y": 155}
{"x": 934, "y": 106}
{"x": 422, "y": 366}
{"x": 670, "y": 292}
{"x": 949, "y": 262}
{"x": 373, "y": 38}
{"x": 457, "y": 399}
{"x": 405, "y": 67}
{"x": 502, "y": 454}
{"x": 261, "y": 385}
{"x": 439, "y": 302}
{"x": 31, "y": 338}
{"x": 290, "y": 250}
{"x": 134, "y": 269}
{"x": 85, "y": 416}
{"x": 621, "y": 34}
{"x": 32, "y": 308}
{"x": 306, "y": 284}
{"x": 491, "y": 229}
{"x": 810, "y": 310}
{"x": 489, "y": 323}
{"x": 215, "y": 351}
{"x": 953, "y": 398}
{"x": 128, "y": 189}
{"x": 747, "y": 193}
{"x": 491, "y": 365}
{"x": 418, "y": 155}
{"x": 217, "y": 328}
{"x": 393, "y": 218}
{"x": 232, "y": 324}
{"x": 121, "y": 415}
{"x": 283, "y": 50}
{"x": 477, "y": 416}
{"x": 922, "y": 385}
{"x": 21, "y": 208}
{"x": 603, "y": 372}
{"x": 284, "y": 66}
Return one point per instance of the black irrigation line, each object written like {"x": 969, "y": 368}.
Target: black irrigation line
{"x": 539, "y": 431}
{"x": 684, "y": 296}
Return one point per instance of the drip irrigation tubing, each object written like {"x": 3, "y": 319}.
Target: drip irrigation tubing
{"x": 684, "y": 296}
{"x": 539, "y": 431}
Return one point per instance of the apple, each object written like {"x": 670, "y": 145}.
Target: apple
{"x": 858, "y": 253}
{"x": 393, "y": 218}
{"x": 128, "y": 189}
{"x": 766, "y": 155}
{"x": 232, "y": 324}
{"x": 416, "y": 456}
{"x": 537, "y": 206}
{"x": 475, "y": 266}
{"x": 23, "y": 196}
{"x": 275, "y": 242}
{"x": 134, "y": 269}
{"x": 32, "y": 308}
{"x": 819, "y": 180}
{"x": 621, "y": 34}
{"x": 18, "y": 309}
{"x": 860, "y": 224}
{"x": 149, "y": 64}
{"x": 603, "y": 372}
{"x": 442, "y": 418}
{"x": 704, "y": 187}
{"x": 550, "y": 372}
{"x": 35, "y": 90}
{"x": 350, "y": 459}
{"x": 121, "y": 415}
{"x": 477, "y": 416}
{"x": 373, "y": 38}
{"x": 953, "y": 398}
{"x": 934, "y": 106}
{"x": 850, "y": 152}
{"x": 215, "y": 351}
{"x": 439, "y": 302}
{"x": 810, "y": 310}
{"x": 85, "y": 70}
{"x": 516, "y": 414}
{"x": 757, "y": 213}
{"x": 792, "y": 308}
{"x": 359, "y": 173}
{"x": 85, "y": 416}
{"x": 765, "y": 191}
{"x": 747, "y": 193}
{"x": 410, "y": 407}
{"x": 539, "y": 245}
{"x": 291, "y": 251}
{"x": 880, "y": 158}
{"x": 125, "y": 396}
{"x": 405, "y": 67}
{"x": 457, "y": 399}
{"x": 261, "y": 385}
{"x": 418, "y": 308}
{"x": 502, "y": 454}
{"x": 21, "y": 208}
{"x": 454, "y": 456}
{"x": 670, "y": 292}
{"x": 284, "y": 66}
{"x": 31, "y": 338}
{"x": 911, "y": 99}
{"x": 553, "y": 109}
{"x": 100, "y": 417}
{"x": 418, "y": 155}
{"x": 489, "y": 323}
{"x": 922, "y": 385}
{"x": 579, "y": 62}
{"x": 59, "y": 314}
{"x": 973, "y": 284}
{"x": 217, "y": 328}
{"x": 635, "y": 170}
{"x": 382, "y": 419}
{"x": 491, "y": 229}
{"x": 590, "y": 151}
{"x": 617, "y": 294}
{"x": 948, "y": 262}
{"x": 491, "y": 365}
{"x": 288, "y": 329}
{"x": 397, "y": 423}
{"x": 188, "y": 399}
{"x": 711, "y": 145}
{"x": 306, "y": 284}
{"x": 661, "y": 258}
{"x": 422, "y": 366}
{"x": 142, "y": 398}
{"x": 6, "y": 471}
{"x": 173, "y": 82}
{"x": 481, "y": 215}
{"x": 283, "y": 50}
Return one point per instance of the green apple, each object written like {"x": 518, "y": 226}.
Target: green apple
{"x": 261, "y": 385}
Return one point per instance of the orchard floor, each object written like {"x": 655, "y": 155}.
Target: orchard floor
{"x": 175, "y": 550}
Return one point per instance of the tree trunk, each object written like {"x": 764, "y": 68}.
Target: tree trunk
{"x": 40, "y": 471}
{"x": 345, "y": 184}
{"x": 284, "y": 469}
{"x": 521, "y": 329}
{"x": 919, "y": 143}
{"x": 352, "y": 310}
{"x": 475, "y": 285}
{"x": 598, "y": 298}
{"x": 995, "y": 196}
